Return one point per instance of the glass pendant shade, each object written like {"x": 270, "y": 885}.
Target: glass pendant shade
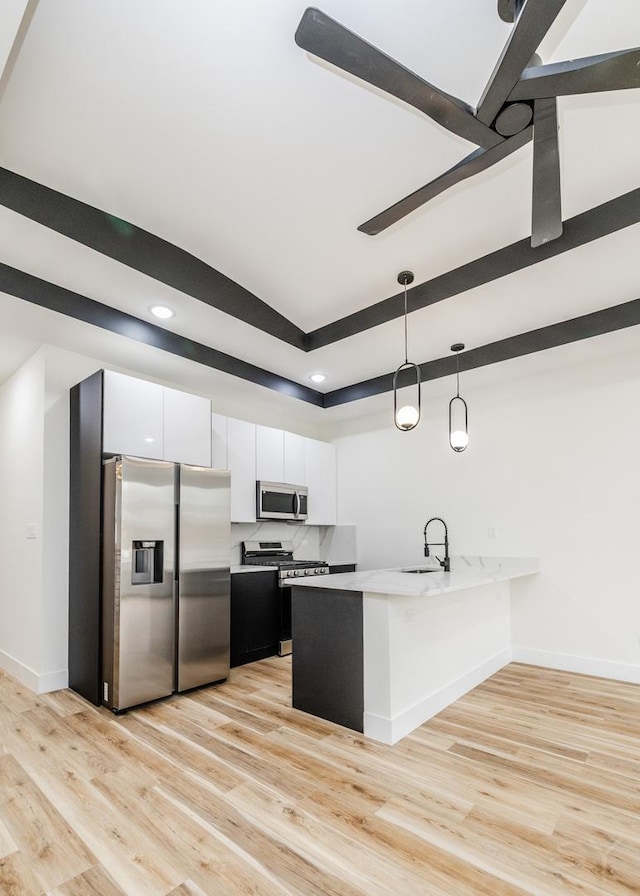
{"x": 407, "y": 416}
{"x": 458, "y": 413}
{"x": 458, "y": 440}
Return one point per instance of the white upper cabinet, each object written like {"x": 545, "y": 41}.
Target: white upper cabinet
{"x": 279, "y": 456}
{"x": 241, "y": 462}
{"x": 294, "y": 472}
{"x": 132, "y": 417}
{"x": 320, "y": 478}
{"x": 187, "y": 428}
{"x": 269, "y": 454}
{"x": 148, "y": 420}
{"x": 253, "y": 453}
{"x": 219, "y": 456}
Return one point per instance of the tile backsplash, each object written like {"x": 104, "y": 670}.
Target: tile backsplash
{"x": 332, "y": 543}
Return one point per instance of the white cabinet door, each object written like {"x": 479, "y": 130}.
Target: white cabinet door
{"x": 219, "y": 456}
{"x": 270, "y": 454}
{"x": 187, "y": 428}
{"x": 294, "y": 459}
{"x": 241, "y": 446}
{"x": 320, "y": 474}
{"x": 132, "y": 417}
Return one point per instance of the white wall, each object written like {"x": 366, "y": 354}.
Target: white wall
{"x": 21, "y": 487}
{"x": 553, "y": 466}
{"x": 12, "y": 13}
{"x": 34, "y": 484}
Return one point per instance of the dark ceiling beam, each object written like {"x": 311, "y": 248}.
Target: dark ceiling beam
{"x": 63, "y": 301}
{"x": 56, "y": 298}
{"x": 142, "y": 251}
{"x": 593, "y": 224}
{"x": 618, "y": 317}
{"x": 161, "y": 260}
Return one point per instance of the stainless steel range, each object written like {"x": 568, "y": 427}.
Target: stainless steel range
{"x": 280, "y": 554}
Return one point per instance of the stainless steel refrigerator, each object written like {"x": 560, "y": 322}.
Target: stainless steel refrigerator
{"x": 165, "y": 579}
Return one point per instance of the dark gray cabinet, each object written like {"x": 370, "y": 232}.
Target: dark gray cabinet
{"x": 328, "y": 657}
{"x": 254, "y": 616}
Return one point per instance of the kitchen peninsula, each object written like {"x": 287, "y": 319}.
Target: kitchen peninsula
{"x": 382, "y": 651}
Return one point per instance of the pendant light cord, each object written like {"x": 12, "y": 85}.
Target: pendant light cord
{"x": 457, "y": 374}
{"x": 406, "y": 350}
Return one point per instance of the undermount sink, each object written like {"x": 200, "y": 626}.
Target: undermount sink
{"x": 421, "y": 569}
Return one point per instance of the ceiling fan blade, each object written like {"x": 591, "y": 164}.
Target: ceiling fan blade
{"x": 322, "y": 36}
{"x": 532, "y": 24}
{"x": 509, "y": 10}
{"x": 592, "y": 74}
{"x": 479, "y": 160}
{"x": 546, "y": 216}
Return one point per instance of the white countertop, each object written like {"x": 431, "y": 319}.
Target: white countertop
{"x": 466, "y": 572}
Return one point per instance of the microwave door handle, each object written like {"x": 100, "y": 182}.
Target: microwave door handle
{"x": 297, "y": 510}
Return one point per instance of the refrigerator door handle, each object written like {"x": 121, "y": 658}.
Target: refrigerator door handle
{"x": 176, "y": 623}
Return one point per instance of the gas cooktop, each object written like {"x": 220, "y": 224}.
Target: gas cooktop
{"x": 280, "y": 554}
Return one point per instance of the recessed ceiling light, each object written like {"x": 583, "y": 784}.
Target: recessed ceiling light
{"x": 149, "y": 439}
{"x": 162, "y": 311}
{"x": 317, "y": 377}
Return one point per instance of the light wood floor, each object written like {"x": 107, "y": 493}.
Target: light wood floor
{"x": 529, "y": 784}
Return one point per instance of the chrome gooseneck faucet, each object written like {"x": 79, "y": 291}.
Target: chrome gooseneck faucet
{"x": 445, "y": 564}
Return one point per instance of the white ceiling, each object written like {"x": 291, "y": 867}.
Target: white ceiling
{"x": 206, "y": 125}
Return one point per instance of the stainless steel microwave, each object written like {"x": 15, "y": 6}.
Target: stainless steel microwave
{"x": 281, "y": 501}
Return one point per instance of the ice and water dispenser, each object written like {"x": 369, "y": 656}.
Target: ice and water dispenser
{"x": 147, "y": 566}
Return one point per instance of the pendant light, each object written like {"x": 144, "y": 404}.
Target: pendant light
{"x": 408, "y": 416}
{"x": 458, "y": 437}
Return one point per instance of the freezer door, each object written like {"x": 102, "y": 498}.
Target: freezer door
{"x": 138, "y": 580}
{"x": 204, "y": 584}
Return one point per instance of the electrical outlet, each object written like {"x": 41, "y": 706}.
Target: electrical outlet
{"x": 32, "y": 530}
{"x": 491, "y": 531}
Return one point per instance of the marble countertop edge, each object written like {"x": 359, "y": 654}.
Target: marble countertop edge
{"x": 465, "y": 574}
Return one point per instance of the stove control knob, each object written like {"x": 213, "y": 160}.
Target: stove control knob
{"x": 308, "y": 571}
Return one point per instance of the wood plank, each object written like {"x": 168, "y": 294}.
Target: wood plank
{"x": 94, "y": 882}
{"x": 53, "y": 850}
{"x": 527, "y": 786}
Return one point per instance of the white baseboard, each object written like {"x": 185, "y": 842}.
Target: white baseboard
{"x": 583, "y": 665}
{"x": 53, "y": 681}
{"x": 39, "y": 684}
{"x": 390, "y": 731}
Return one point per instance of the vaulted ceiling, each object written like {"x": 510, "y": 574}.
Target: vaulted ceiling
{"x": 194, "y": 155}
